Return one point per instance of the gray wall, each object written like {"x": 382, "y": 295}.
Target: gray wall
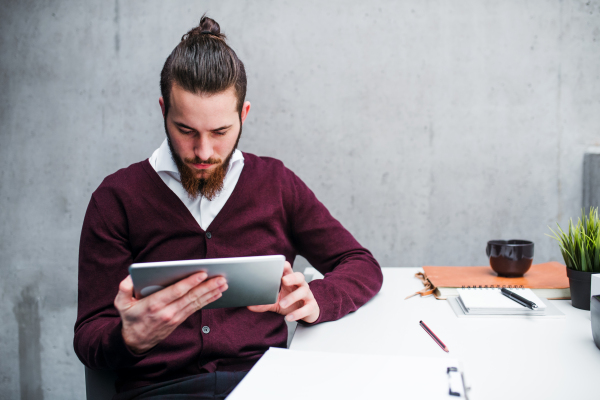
{"x": 591, "y": 178}
{"x": 426, "y": 127}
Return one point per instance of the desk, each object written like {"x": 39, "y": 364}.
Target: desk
{"x": 565, "y": 360}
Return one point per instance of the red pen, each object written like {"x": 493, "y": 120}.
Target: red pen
{"x": 433, "y": 336}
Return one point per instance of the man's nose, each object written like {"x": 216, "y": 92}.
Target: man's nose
{"x": 203, "y": 147}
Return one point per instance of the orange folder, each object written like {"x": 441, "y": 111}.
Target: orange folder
{"x": 547, "y": 280}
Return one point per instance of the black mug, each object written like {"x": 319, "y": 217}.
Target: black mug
{"x": 510, "y": 258}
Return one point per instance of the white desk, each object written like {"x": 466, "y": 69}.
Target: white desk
{"x": 565, "y": 361}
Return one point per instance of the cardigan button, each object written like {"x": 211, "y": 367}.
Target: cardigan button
{"x": 205, "y": 329}
{"x": 208, "y": 235}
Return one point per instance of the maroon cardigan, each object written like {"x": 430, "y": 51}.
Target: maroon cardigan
{"x": 134, "y": 217}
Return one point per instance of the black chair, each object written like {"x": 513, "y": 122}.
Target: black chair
{"x": 99, "y": 385}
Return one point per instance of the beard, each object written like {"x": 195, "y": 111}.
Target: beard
{"x": 209, "y": 186}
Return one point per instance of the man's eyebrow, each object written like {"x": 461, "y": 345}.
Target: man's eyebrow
{"x": 179, "y": 124}
{"x": 222, "y": 128}
{"x": 192, "y": 129}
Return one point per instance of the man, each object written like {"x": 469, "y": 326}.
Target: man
{"x": 197, "y": 197}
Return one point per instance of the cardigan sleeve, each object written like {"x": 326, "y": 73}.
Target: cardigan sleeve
{"x": 104, "y": 257}
{"x": 352, "y": 276}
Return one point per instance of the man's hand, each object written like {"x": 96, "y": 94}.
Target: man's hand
{"x": 148, "y": 321}
{"x": 295, "y": 299}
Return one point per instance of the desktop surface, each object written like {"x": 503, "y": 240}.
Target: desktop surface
{"x": 519, "y": 358}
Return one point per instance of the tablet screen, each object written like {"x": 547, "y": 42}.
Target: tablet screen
{"x": 251, "y": 280}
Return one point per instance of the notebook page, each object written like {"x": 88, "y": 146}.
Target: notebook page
{"x": 492, "y": 299}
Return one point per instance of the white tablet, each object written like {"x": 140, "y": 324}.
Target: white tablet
{"x": 251, "y": 280}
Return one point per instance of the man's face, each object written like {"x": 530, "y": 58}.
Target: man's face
{"x": 203, "y": 132}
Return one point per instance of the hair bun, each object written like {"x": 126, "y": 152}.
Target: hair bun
{"x": 207, "y": 26}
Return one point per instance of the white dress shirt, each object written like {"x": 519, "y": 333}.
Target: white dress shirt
{"x": 203, "y": 210}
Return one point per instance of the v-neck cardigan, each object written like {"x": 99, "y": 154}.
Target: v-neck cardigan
{"x": 134, "y": 217}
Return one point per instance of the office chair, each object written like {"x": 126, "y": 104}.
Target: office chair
{"x": 100, "y": 385}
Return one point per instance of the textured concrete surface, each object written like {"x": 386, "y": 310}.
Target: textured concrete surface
{"x": 427, "y": 128}
{"x": 591, "y": 179}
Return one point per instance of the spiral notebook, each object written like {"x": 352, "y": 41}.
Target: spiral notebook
{"x": 490, "y": 301}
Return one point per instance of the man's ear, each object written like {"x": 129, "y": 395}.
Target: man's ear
{"x": 161, "y": 101}
{"x": 245, "y": 110}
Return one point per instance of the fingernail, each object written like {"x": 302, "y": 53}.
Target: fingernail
{"x": 201, "y": 277}
{"x": 283, "y": 303}
{"x": 290, "y": 317}
{"x": 223, "y": 288}
{"x": 220, "y": 281}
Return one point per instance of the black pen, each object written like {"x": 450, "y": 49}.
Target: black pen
{"x": 521, "y": 300}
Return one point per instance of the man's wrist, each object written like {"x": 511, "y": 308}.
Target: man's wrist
{"x": 132, "y": 347}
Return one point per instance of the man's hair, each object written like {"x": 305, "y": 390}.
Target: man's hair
{"x": 203, "y": 63}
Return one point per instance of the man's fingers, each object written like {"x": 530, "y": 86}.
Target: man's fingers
{"x": 296, "y": 278}
{"x": 302, "y": 293}
{"x": 262, "y": 308}
{"x": 125, "y": 295}
{"x": 178, "y": 290}
{"x": 198, "y": 304}
{"x": 200, "y": 295}
{"x": 203, "y": 296}
{"x": 301, "y": 313}
{"x": 287, "y": 269}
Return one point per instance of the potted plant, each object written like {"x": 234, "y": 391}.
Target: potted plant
{"x": 580, "y": 248}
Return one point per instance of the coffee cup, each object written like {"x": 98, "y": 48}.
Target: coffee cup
{"x": 510, "y": 258}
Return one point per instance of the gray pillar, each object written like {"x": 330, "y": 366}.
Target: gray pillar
{"x": 591, "y": 179}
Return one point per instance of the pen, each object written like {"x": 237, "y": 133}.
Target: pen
{"x": 521, "y": 300}
{"x": 433, "y": 336}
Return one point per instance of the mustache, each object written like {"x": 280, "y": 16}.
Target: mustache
{"x": 198, "y": 160}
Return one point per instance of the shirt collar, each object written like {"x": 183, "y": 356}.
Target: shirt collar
{"x": 164, "y": 161}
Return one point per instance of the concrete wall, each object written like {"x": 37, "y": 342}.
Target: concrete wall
{"x": 426, "y": 127}
{"x": 591, "y": 178}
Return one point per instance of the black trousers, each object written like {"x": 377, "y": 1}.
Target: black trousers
{"x": 213, "y": 385}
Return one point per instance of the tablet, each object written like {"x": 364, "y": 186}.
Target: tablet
{"x": 251, "y": 280}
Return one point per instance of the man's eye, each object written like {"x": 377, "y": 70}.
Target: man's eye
{"x": 186, "y": 132}
{"x": 221, "y": 133}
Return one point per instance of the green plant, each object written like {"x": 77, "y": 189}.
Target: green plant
{"x": 580, "y": 245}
